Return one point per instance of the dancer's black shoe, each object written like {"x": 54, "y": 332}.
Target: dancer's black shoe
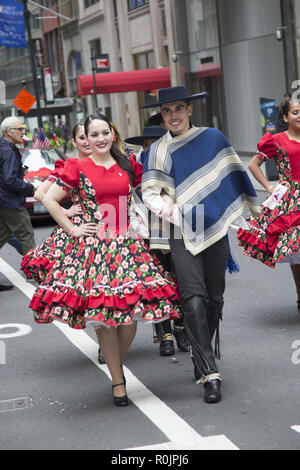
{"x": 212, "y": 393}
{"x": 120, "y": 401}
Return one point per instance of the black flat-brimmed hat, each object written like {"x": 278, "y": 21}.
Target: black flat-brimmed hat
{"x": 174, "y": 93}
{"x": 156, "y": 119}
{"x": 149, "y": 132}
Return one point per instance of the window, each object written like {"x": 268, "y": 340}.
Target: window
{"x": 133, "y": 4}
{"x": 95, "y": 47}
{"x": 88, "y": 3}
{"x": 144, "y": 61}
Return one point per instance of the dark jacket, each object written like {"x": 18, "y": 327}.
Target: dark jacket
{"x": 13, "y": 188}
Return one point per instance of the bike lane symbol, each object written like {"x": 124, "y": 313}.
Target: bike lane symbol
{"x": 20, "y": 330}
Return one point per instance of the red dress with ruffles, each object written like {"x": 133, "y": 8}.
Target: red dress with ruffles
{"x": 110, "y": 278}
{"x": 274, "y": 235}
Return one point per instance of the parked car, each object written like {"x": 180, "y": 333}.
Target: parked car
{"x": 39, "y": 163}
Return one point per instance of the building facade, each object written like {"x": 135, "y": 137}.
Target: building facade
{"x": 228, "y": 48}
{"x": 240, "y": 51}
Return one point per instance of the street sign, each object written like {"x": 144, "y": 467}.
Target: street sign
{"x": 102, "y": 63}
{"x": 268, "y": 113}
{"x": 24, "y": 101}
{"x": 268, "y": 109}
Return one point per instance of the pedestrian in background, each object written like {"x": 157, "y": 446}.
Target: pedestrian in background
{"x": 64, "y": 133}
{"x": 14, "y": 218}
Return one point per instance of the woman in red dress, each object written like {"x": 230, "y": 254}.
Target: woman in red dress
{"x": 37, "y": 261}
{"x": 274, "y": 236}
{"x": 108, "y": 276}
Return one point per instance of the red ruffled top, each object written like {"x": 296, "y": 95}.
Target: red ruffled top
{"x": 269, "y": 144}
{"x": 59, "y": 164}
{"x": 112, "y": 187}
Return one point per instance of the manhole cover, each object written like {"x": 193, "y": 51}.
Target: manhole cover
{"x": 16, "y": 404}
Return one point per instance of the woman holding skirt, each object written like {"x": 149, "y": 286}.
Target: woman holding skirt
{"x": 274, "y": 236}
{"x": 108, "y": 276}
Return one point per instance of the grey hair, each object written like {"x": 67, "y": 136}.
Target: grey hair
{"x": 8, "y": 123}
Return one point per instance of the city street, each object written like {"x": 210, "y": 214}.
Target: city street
{"x": 54, "y": 394}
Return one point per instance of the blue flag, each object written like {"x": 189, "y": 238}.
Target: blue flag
{"x": 12, "y": 24}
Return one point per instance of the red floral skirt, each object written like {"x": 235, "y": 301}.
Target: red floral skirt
{"x": 37, "y": 262}
{"x": 274, "y": 236}
{"x": 106, "y": 280}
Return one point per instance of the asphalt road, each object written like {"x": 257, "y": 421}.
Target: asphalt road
{"x": 54, "y": 395}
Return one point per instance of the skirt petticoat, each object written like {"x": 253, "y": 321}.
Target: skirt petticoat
{"x": 274, "y": 236}
{"x": 106, "y": 280}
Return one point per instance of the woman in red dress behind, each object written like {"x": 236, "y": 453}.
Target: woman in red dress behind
{"x": 108, "y": 276}
{"x": 274, "y": 236}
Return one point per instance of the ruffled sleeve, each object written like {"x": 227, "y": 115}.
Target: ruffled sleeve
{"x": 68, "y": 175}
{"x": 59, "y": 164}
{"x": 266, "y": 147}
{"x": 138, "y": 170}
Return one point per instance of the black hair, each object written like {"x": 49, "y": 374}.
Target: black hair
{"x": 118, "y": 156}
{"x": 75, "y": 129}
{"x": 286, "y": 107}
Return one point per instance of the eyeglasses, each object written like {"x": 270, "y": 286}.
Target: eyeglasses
{"x": 21, "y": 129}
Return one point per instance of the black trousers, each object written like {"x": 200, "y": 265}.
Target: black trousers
{"x": 201, "y": 281}
{"x": 164, "y": 327}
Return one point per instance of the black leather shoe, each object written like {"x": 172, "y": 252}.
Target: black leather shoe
{"x": 212, "y": 392}
{"x": 120, "y": 401}
{"x": 4, "y": 287}
{"x": 181, "y": 339}
{"x": 298, "y": 305}
{"x": 166, "y": 347}
{"x": 101, "y": 359}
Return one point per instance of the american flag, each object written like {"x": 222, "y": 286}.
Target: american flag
{"x": 42, "y": 141}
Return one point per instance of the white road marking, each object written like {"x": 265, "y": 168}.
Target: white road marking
{"x": 296, "y": 428}
{"x": 22, "y": 330}
{"x": 180, "y": 435}
{"x": 220, "y": 442}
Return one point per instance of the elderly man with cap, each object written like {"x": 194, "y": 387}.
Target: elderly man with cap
{"x": 207, "y": 188}
{"x": 14, "y": 218}
{"x": 163, "y": 330}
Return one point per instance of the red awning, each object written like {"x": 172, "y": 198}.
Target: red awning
{"x": 209, "y": 69}
{"x": 118, "y": 82}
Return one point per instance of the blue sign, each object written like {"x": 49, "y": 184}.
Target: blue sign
{"x": 269, "y": 109}
{"x": 12, "y": 24}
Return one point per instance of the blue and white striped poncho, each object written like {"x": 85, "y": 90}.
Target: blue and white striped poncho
{"x": 205, "y": 177}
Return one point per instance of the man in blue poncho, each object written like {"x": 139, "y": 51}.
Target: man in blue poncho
{"x": 208, "y": 189}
